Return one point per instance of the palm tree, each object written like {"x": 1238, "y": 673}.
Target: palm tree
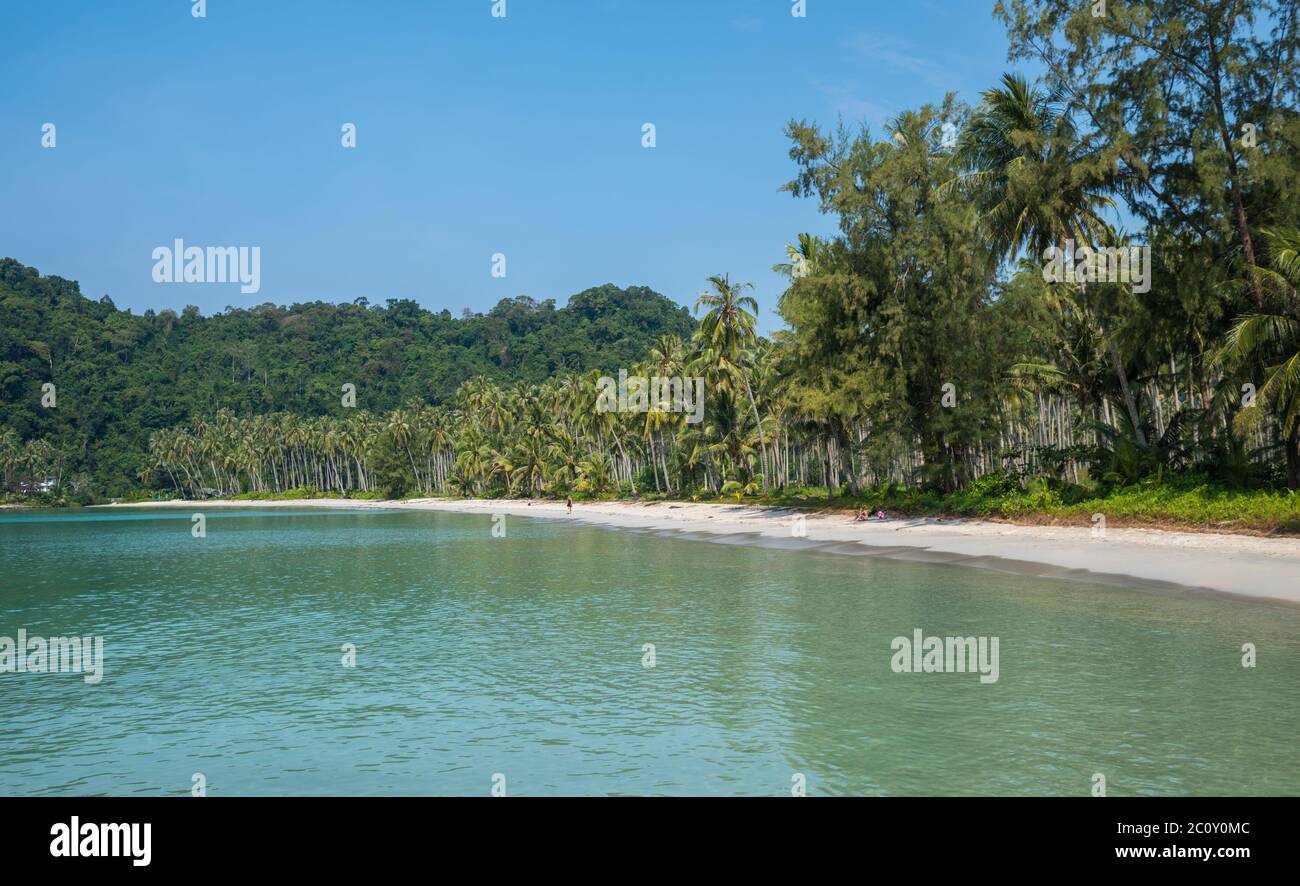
{"x": 474, "y": 461}
{"x": 10, "y": 447}
{"x": 728, "y": 333}
{"x": 1271, "y": 343}
{"x": 804, "y": 257}
{"x": 439, "y": 440}
{"x": 503, "y": 463}
{"x": 606, "y": 423}
{"x": 1026, "y": 171}
{"x": 563, "y": 453}
{"x": 530, "y": 463}
{"x": 1035, "y": 184}
{"x": 399, "y": 429}
{"x": 593, "y": 473}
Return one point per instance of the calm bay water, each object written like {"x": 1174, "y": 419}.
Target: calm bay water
{"x": 523, "y": 656}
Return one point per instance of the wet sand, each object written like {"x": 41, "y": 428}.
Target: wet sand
{"x": 1172, "y": 562}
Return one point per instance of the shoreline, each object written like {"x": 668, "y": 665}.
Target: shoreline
{"x": 1243, "y": 567}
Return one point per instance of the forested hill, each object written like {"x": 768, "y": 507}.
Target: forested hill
{"x": 119, "y": 376}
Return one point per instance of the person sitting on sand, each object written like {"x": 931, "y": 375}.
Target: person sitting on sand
{"x": 861, "y": 515}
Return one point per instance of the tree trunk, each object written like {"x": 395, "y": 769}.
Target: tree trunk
{"x": 1293, "y": 457}
{"x": 843, "y": 449}
{"x": 1238, "y": 205}
{"x": 758, "y": 426}
{"x": 654, "y": 469}
{"x": 627, "y": 464}
{"x": 1118, "y": 365}
{"x": 663, "y": 463}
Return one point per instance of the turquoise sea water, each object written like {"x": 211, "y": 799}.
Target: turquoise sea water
{"x": 525, "y": 656}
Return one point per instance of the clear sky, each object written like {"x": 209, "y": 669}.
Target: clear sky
{"x": 475, "y": 135}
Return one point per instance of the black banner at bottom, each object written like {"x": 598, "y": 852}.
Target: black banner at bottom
{"x": 337, "y": 835}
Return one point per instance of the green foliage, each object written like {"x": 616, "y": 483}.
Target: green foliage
{"x": 121, "y": 377}
{"x": 928, "y": 366}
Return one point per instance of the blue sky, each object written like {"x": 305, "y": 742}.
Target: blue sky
{"x": 475, "y": 135}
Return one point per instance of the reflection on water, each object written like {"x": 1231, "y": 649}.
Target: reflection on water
{"x": 523, "y": 656}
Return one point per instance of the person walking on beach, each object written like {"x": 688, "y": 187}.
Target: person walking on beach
{"x": 568, "y": 503}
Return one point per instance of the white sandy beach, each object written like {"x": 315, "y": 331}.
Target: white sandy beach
{"x": 1175, "y": 562}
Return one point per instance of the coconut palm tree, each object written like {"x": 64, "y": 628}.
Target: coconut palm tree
{"x": 1035, "y": 185}
{"x": 594, "y": 473}
{"x": 1027, "y": 172}
{"x": 803, "y": 258}
{"x": 399, "y": 430}
{"x": 1270, "y": 343}
{"x": 564, "y": 457}
{"x": 530, "y": 463}
{"x": 728, "y": 333}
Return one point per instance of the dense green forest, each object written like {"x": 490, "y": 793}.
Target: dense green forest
{"x": 118, "y": 377}
{"x": 928, "y": 350}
